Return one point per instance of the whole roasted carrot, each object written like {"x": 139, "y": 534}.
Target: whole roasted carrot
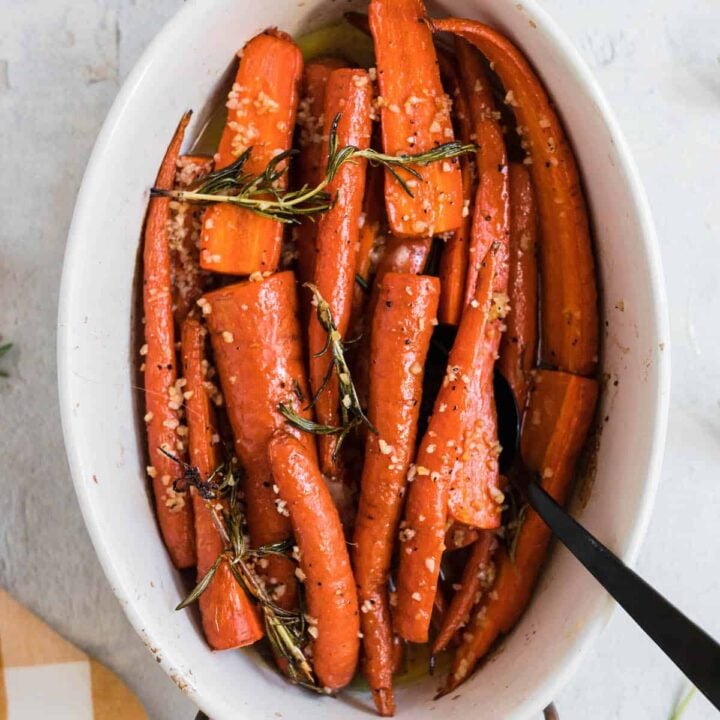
{"x": 332, "y": 607}
{"x": 162, "y": 407}
{"x": 518, "y": 347}
{"x": 401, "y": 329}
{"x": 310, "y": 163}
{"x": 257, "y": 346}
{"x": 568, "y": 289}
{"x": 556, "y": 423}
{"x": 261, "y": 115}
{"x": 188, "y": 279}
{"x": 415, "y": 117}
{"x": 440, "y": 451}
{"x": 349, "y": 93}
{"x": 229, "y": 618}
{"x": 477, "y": 576}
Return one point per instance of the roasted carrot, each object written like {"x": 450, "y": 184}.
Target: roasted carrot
{"x": 310, "y": 163}
{"x": 349, "y": 93}
{"x": 568, "y": 288}
{"x": 257, "y": 345}
{"x": 401, "y": 329}
{"x": 440, "y": 451}
{"x": 415, "y": 117}
{"x": 556, "y": 423}
{"x": 229, "y": 618}
{"x": 518, "y": 347}
{"x": 162, "y": 417}
{"x": 458, "y": 536}
{"x": 188, "y": 279}
{"x": 332, "y": 606}
{"x": 477, "y": 576}
{"x": 491, "y": 209}
{"x": 261, "y": 115}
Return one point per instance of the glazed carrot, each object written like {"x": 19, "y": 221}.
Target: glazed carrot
{"x": 229, "y": 618}
{"x": 568, "y": 292}
{"x": 491, "y": 209}
{"x": 556, "y": 423}
{"x": 188, "y": 279}
{"x": 257, "y": 345}
{"x": 518, "y": 347}
{"x": 401, "y": 329}
{"x": 415, "y": 117}
{"x": 458, "y": 536}
{"x": 348, "y": 92}
{"x": 310, "y": 163}
{"x": 332, "y": 607}
{"x": 477, "y": 576}
{"x": 439, "y": 452}
{"x": 162, "y": 417}
{"x": 261, "y": 115}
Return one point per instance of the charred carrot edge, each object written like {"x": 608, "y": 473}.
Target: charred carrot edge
{"x": 348, "y": 92}
{"x": 568, "y": 293}
{"x": 401, "y": 331}
{"x": 477, "y": 575}
{"x": 229, "y": 618}
{"x": 309, "y": 165}
{"x": 559, "y": 415}
{"x": 262, "y": 106}
{"x": 332, "y": 607}
{"x": 174, "y": 510}
{"x": 518, "y": 348}
{"x": 256, "y": 341}
{"x": 188, "y": 280}
{"x": 491, "y": 208}
{"x": 440, "y": 450}
{"x": 458, "y": 535}
{"x": 415, "y": 117}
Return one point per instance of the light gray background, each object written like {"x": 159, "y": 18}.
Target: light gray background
{"x": 61, "y": 64}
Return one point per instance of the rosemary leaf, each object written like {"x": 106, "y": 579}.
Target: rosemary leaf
{"x": 304, "y": 424}
{"x": 202, "y": 586}
{"x": 682, "y": 705}
{"x": 362, "y": 282}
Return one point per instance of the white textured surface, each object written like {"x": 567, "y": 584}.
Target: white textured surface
{"x": 61, "y": 64}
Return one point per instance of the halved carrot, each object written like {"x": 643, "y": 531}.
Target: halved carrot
{"x": 310, "y": 163}
{"x": 162, "y": 417}
{"x": 401, "y": 329}
{"x": 332, "y": 606}
{"x": 257, "y": 345}
{"x": 415, "y": 117}
{"x": 477, "y": 575}
{"x": 188, "y": 279}
{"x": 440, "y": 451}
{"x": 568, "y": 289}
{"x": 349, "y": 93}
{"x": 261, "y": 115}
{"x": 557, "y": 421}
{"x": 458, "y": 536}
{"x": 229, "y": 618}
{"x": 518, "y": 347}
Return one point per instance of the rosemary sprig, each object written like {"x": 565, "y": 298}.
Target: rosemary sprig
{"x": 285, "y": 629}
{"x": 263, "y": 195}
{"x": 351, "y": 412}
{"x": 517, "y": 510}
{"x": 4, "y": 350}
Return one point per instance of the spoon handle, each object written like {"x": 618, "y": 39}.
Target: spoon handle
{"x": 687, "y": 645}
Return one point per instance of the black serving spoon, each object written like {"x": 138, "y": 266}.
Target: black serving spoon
{"x": 687, "y": 645}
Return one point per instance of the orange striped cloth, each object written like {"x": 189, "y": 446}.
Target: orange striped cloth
{"x": 44, "y": 676}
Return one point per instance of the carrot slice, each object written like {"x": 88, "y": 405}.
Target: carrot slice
{"x": 332, "y": 607}
{"x": 518, "y": 347}
{"x": 162, "y": 418}
{"x": 458, "y": 536}
{"x": 256, "y": 342}
{"x": 348, "y": 92}
{"x": 568, "y": 291}
{"x": 310, "y": 163}
{"x": 557, "y": 421}
{"x": 441, "y": 450}
{"x": 477, "y": 576}
{"x": 401, "y": 331}
{"x": 415, "y": 117}
{"x": 261, "y": 115}
{"x": 229, "y": 618}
